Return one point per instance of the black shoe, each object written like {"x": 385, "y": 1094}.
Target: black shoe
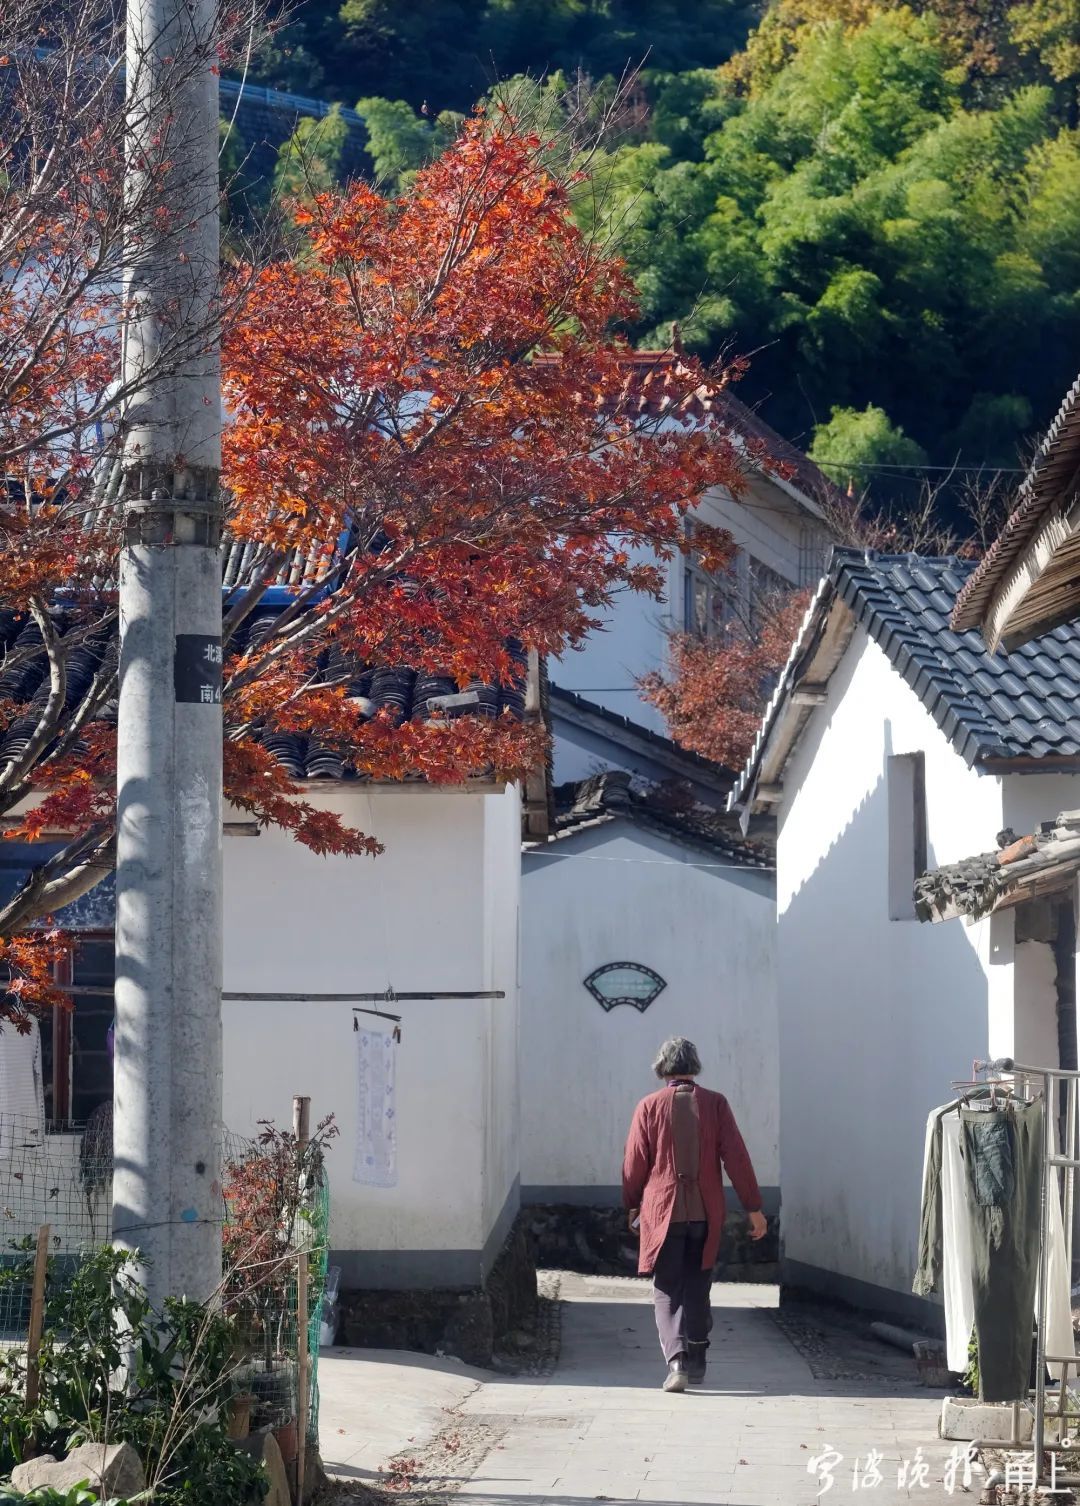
{"x": 676, "y": 1374}
{"x": 695, "y": 1363}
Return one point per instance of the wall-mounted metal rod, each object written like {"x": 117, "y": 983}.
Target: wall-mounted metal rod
{"x": 93, "y": 990}
{"x": 391, "y": 996}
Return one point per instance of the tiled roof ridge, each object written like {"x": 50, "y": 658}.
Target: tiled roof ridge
{"x": 619, "y": 722}
{"x": 931, "y": 675}
{"x": 973, "y": 885}
{"x": 611, "y": 794}
{"x": 998, "y": 710}
{"x": 647, "y": 369}
{"x": 404, "y": 693}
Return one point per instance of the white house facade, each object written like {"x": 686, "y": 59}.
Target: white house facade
{"x": 779, "y": 525}
{"x": 639, "y": 864}
{"x": 893, "y": 746}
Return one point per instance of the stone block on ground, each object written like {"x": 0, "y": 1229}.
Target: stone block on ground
{"x": 263, "y": 1448}
{"x": 111, "y": 1469}
{"x": 470, "y": 1325}
{"x": 967, "y": 1420}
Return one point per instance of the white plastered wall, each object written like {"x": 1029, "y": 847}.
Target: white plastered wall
{"x": 632, "y": 641}
{"x": 876, "y": 1016}
{"x": 437, "y": 910}
{"x": 620, "y": 895}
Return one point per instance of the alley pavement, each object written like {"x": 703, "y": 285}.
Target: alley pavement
{"x": 778, "y": 1417}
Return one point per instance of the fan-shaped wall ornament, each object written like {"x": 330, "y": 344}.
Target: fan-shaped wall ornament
{"x": 625, "y": 983}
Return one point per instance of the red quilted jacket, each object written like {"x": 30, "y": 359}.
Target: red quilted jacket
{"x": 649, "y": 1180}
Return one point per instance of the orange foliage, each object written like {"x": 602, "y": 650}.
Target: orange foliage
{"x": 715, "y": 690}
{"x": 389, "y": 426}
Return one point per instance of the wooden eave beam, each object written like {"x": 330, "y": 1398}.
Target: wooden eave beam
{"x": 1042, "y": 589}
{"x": 807, "y": 693}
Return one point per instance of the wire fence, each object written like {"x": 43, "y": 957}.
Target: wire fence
{"x": 60, "y": 1175}
{"x": 49, "y": 1174}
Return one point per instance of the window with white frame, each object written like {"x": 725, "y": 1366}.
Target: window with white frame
{"x": 710, "y": 601}
{"x": 813, "y": 550}
{"x": 767, "y": 586}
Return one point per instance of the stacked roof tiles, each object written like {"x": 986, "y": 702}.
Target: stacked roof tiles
{"x": 664, "y": 809}
{"x": 407, "y": 695}
{"x": 1028, "y": 867}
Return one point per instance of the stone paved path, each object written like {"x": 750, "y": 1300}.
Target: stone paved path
{"x": 600, "y": 1429}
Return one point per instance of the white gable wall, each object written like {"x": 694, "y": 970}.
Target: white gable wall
{"x": 1032, "y": 798}
{"x": 501, "y": 968}
{"x": 877, "y": 1016}
{"x": 764, "y": 521}
{"x": 437, "y": 910}
{"x": 618, "y": 894}
{"x": 630, "y": 643}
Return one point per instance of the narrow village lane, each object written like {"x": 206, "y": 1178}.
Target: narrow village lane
{"x": 599, "y": 1428}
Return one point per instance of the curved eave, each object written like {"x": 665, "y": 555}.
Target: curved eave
{"x": 1042, "y": 589}
{"x": 826, "y": 632}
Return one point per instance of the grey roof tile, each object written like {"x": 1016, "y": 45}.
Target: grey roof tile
{"x": 1022, "y": 706}
{"x": 1025, "y": 704}
{"x": 403, "y": 693}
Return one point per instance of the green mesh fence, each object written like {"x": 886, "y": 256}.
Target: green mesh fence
{"x": 318, "y": 1260}
{"x": 269, "y": 1223}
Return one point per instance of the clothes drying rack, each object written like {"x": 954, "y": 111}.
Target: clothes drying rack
{"x": 1055, "y": 1415}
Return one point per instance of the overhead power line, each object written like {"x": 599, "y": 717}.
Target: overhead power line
{"x": 866, "y": 465}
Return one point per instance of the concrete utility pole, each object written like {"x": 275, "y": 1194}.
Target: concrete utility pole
{"x": 167, "y": 1093}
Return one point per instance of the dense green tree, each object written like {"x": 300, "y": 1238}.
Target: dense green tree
{"x": 1051, "y": 30}
{"x": 877, "y": 234}
{"x": 400, "y": 141}
{"x": 448, "y": 52}
{"x": 309, "y": 162}
{"x": 852, "y": 446}
{"x": 875, "y": 201}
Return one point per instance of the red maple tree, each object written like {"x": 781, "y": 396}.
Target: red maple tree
{"x": 426, "y": 491}
{"x": 712, "y": 691}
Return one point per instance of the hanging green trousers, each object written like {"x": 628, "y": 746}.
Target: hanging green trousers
{"x": 1003, "y": 1159}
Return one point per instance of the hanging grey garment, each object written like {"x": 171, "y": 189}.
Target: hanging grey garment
{"x": 1003, "y": 1163}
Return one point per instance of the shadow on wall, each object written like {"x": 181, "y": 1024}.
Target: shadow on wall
{"x": 877, "y": 1016}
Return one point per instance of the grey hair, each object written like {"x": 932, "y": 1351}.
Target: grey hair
{"x": 677, "y": 1057}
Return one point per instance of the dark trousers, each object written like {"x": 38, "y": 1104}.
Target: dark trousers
{"x": 1003, "y": 1162}
{"x": 681, "y": 1289}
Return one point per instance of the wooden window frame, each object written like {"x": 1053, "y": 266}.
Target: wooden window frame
{"x": 63, "y": 1035}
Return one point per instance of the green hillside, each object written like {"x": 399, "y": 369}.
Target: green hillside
{"x": 876, "y": 202}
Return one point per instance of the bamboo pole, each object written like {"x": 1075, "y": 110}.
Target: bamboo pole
{"x": 37, "y": 1318}
{"x": 302, "y": 1131}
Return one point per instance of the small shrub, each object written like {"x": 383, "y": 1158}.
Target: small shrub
{"x": 113, "y": 1370}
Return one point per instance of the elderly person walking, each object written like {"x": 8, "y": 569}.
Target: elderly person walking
{"x": 681, "y": 1141}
